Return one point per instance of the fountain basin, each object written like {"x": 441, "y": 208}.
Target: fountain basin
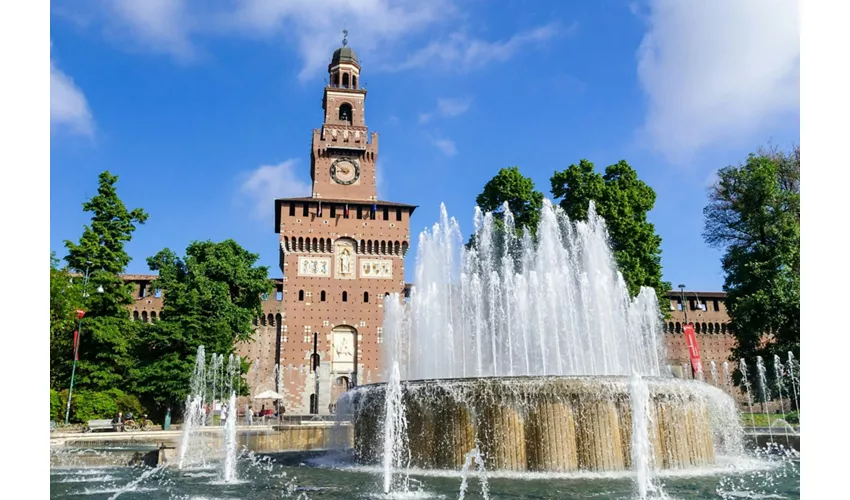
{"x": 558, "y": 424}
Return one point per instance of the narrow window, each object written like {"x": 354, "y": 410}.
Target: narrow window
{"x": 365, "y": 296}
{"x": 345, "y": 113}
{"x": 292, "y": 209}
{"x": 333, "y": 211}
{"x": 157, "y": 293}
{"x": 301, "y": 295}
{"x": 359, "y": 212}
{"x": 386, "y": 213}
{"x": 135, "y": 315}
{"x": 345, "y": 296}
{"x": 716, "y": 305}
{"x": 398, "y": 213}
{"x": 306, "y": 210}
{"x": 322, "y": 296}
{"x": 153, "y": 316}
{"x": 279, "y": 296}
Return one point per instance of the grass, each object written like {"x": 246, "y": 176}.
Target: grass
{"x": 763, "y": 419}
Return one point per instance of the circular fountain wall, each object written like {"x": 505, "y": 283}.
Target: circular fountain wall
{"x": 556, "y": 424}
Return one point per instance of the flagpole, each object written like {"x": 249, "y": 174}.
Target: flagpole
{"x": 76, "y": 347}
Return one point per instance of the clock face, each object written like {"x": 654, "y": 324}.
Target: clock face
{"x": 345, "y": 170}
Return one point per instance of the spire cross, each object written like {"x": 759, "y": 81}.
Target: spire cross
{"x": 344, "y": 37}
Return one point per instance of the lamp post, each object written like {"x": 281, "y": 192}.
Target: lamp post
{"x": 80, "y": 314}
{"x": 684, "y": 305}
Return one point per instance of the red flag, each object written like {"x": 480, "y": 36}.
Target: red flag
{"x": 693, "y": 348}
{"x": 80, "y": 313}
{"x": 346, "y": 210}
{"x": 76, "y": 350}
{"x": 320, "y": 209}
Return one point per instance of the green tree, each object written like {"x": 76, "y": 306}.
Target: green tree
{"x": 210, "y": 298}
{"x": 753, "y": 215}
{"x": 64, "y": 300}
{"x": 510, "y": 186}
{"x": 108, "y": 336}
{"x": 623, "y": 201}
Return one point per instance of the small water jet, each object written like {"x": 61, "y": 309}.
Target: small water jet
{"x": 742, "y": 365}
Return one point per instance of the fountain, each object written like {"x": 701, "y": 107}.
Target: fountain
{"x": 527, "y": 349}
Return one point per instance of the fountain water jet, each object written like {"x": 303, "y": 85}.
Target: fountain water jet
{"x": 742, "y": 365}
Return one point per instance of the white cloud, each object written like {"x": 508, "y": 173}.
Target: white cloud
{"x": 447, "y": 107}
{"x": 717, "y": 72}
{"x": 447, "y": 146}
{"x": 268, "y": 182}
{"x": 460, "y": 52}
{"x": 379, "y": 29}
{"x": 68, "y": 106}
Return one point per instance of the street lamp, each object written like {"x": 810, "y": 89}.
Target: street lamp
{"x": 684, "y": 306}
{"x": 80, "y": 314}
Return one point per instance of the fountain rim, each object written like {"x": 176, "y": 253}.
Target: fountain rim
{"x": 600, "y": 378}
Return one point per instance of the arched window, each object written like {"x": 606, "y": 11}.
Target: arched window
{"x": 365, "y": 296}
{"x": 300, "y": 244}
{"x": 723, "y": 328}
{"x": 384, "y": 247}
{"x": 717, "y": 328}
{"x": 145, "y": 316}
{"x": 336, "y": 80}
{"x": 322, "y": 296}
{"x": 671, "y": 328}
{"x": 153, "y": 315}
{"x": 345, "y": 296}
{"x": 271, "y": 319}
{"x": 697, "y": 327}
{"x": 704, "y": 328}
{"x": 263, "y": 320}
{"x": 343, "y": 381}
{"x": 369, "y": 246}
{"x": 710, "y": 328}
{"x": 346, "y": 114}
{"x": 135, "y": 315}
{"x": 397, "y": 248}
{"x": 300, "y": 295}
{"x": 404, "y": 247}
{"x": 255, "y": 321}
{"x": 678, "y": 327}
{"x": 345, "y": 80}
{"x": 353, "y": 82}
{"x": 362, "y": 246}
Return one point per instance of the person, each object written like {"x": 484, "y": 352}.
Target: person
{"x": 249, "y": 416}
{"x": 118, "y": 422}
{"x": 223, "y": 414}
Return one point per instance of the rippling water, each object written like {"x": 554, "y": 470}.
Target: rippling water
{"x": 334, "y": 477}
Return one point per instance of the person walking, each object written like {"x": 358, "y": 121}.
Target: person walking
{"x": 223, "y": 415}
{"x": 249, "y": 416}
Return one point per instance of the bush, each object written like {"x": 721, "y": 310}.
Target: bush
{"x": 92, "y": 405}
{"x": 55, "y": 406}
{"x": 793, "y": 417}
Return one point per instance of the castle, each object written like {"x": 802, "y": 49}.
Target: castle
{"x": 342, "y": 251}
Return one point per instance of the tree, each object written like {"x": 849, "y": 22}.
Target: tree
{"x": 210, "y": 298}
{"x": 108, "y": 336}
{"x": 510, "y": 186}
{"x": 623, "y": 201}
{"x": 753, "y": 215}
{"x": 64, "y": 300}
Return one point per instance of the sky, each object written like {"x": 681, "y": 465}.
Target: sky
{"x": 205, "y": 109}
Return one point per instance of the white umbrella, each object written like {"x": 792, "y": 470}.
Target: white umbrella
{"x": 268, "y": 395}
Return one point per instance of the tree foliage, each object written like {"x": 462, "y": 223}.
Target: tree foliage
{"x": 753, "y": 215}
{"x": 510, "y": 186}
{"x": 107, "y": 335}
{"x": 623, "y": 201}
{"x": 64, "y": 300}
{"x": 210, "y": 298}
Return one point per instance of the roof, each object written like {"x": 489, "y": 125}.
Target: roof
{"x": 344, "y": 55}
{"x": 676, "y": 294}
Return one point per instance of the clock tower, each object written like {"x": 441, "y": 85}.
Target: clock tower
{"x": 343, "y": 156}
{"x": 341, "y": 253}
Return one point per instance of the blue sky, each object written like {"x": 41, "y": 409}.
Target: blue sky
{"x": 205, "y": 109}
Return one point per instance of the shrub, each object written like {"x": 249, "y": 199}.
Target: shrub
{"x": 55, "y": 406}
{"x": 92, "y": 405}
{"x": 793, "y": 417}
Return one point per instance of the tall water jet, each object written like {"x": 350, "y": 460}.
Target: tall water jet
{"x": 713, "y": 368}
{"x": 473, "y": 455}
{"x": 228, "y": 465}
{"x": 742, "y": 365}
{"x": 194, "y": 414}
{"x": 793, "y": 375}
{"x": 395, "y": 433}
{"x": 765, "y": 392}
{"x": 778, "y": 370}
{"x": 726, "y": 377}
{"x": 642, "y": 453}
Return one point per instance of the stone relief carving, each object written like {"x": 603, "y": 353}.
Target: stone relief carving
{"x": 376, "y": 268}
{"x": 314, "y": 266}
{"x": 345, "y": 260}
